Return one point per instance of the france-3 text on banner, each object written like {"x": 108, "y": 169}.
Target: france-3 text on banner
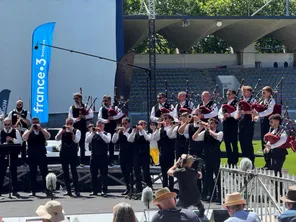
{"x": 43, "y": 34}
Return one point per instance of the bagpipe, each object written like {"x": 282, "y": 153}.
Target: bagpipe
{"x": 242, "y": 104}
{"x": 286, "y": 126}
{"x": 188, "y": 100}
{"x": 165, "y": 110}
{"x": 90, "y": 104}
{"x": 114, "y": 110}
{"x": 259, "y": 107}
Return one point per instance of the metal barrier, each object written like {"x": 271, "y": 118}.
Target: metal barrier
{"x": 261, "y": 189}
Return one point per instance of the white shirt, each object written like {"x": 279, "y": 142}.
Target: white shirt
{"x": 105, "y": 137}
{"x": 186, "y": 130}
{"x": 18, "y": 139}
{"x": 118, "y": 116}
{"x": 115, "y": 136}
{"x": 36, "y": 132}
{"x": 282, "y": 140}
{"x": 132, "y": 136}
{"x": 2, "y": 114}
{"x": 155, "y": 119}
{"x": 169, "y": 130}
{"x": 77, "y": 136}
{"x": 269, "y": 110}
{"x": 201, "y": 136}
{"x": 182, "y": 104}
{"x": 90, "y": 114}
{"x": 220, "y": 113}
{"x": 28, "y": 117}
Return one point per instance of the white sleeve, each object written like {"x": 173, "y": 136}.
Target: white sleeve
{"x": 201, "y": 136}
{"x": 18, "y": 139}
{"x": 115, "y": 138}
{"x": 175, "y": 114}
{"x": 70, "y": 114}
{"x": 106, "y": 138}
{"x": 156, "y": 135}
{"x": 282, "y": 140}
{"x": 186, "y": 131}
{"x": 118, "y": 116}
{"x": 28, "y": 117}
{"x": 100, "y": 116}
{"x": 220, "y": 136}
{"x": 213, "y": 113}
{"x": 220, "y": 114}
{"x": 131, "y": 137}
{"x": 146, "y": 135}
{"x": 191, "y": 105}
{"x": 10, "y": 115}
{"x": 269, "y": 109}
{"x": 77, "y": 136}
{"x": 152, "y": 115}
{"x": 89, "y": 137}
{"x": 172, "y": 133}
{"x": 90, "y": 114}
{"x": 56, "y": 137}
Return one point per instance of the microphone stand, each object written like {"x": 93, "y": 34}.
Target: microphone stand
{"x": 147, "y": 71}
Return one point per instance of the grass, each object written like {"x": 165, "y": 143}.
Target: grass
{"x": 289, "y": 164}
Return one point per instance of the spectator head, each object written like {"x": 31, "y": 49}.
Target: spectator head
{"x": 290, "y": 199}
{"x": 123, "y": 212}
{"x": 234, "y": 202}
{"x": 165, "y": 199}
{"x": 52, "y": 211}
{"x": 187, "y": 160}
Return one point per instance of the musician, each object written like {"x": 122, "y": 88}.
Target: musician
{"x": 208, "y": 103}
{"x": 230, "y": 127}
{"x": 165, "y": 137}
{"x": 90, "y": 130}
{"x": 36, "y": 138}
{"x": 140, "y": 138}
{"x": 154, "y": 149}
{"x": 278, "y": 155}
{"x": 125, "y": 150}
{"x": 246, "y": 125}
{"x": 21, "y": 120}
{"x": 156, "y": 110}
{"x": 181, "y": 142}
{"x": 9, "y": 135}
{"x": 183, "y": 103}
{"x": 110, "y": 122}
{"x": 269, "y": 102}
{"x": 70, "y": 138}
{"x": 80, "y": 115}
{"x": 212, "y": 138}
{"x": 100, "y": 140}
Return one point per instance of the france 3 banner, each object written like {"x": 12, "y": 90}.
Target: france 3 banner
{"x": 42, "y": 36}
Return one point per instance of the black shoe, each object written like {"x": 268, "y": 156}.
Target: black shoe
{"x": 77, "y": 194}
{"x": 32, "y": 194}
{"x": 103, "y": 194}
{"x": 125, "y": 193}
{"x": 93, "y": 194}
{"x": 15, "y": 194}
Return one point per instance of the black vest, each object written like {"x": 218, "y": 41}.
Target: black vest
{"x": 141, "y": 146}
{"x": 36, "y": 144}
{"x": 81, "y": 125}
{"x": 126, "y": 148}
{"x": 231, "y": 120}
{"x": 166, "y": 145}
{"x": 68, "y": 145}
{"x": 212, "y": 146}
{"x": 111, "y": 126}
{"x": 185, "y": 106}
{"x": 279, "y": 152}
{"x": 209, "y": 104}
{"x": 246, "y": 118}
{"x": 99, "y": 147}
{"x": 157, "y": 110}
{"x": 14, "y": 115}
{"x": 12, "y": 134}
{"x": 195, "y": 147}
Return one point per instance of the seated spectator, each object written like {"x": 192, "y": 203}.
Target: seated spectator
{"x": 168, "y": 212}
{"x": 235, "y": 204}
{"x": 290, "y": 202}
{"x": 52, "y": 211}
{"x": 123, "y": 212}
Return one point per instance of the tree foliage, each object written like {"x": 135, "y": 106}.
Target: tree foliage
{"x": 212, "y": 44}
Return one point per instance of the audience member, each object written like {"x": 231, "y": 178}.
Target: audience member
{"x": 290, "y": 202}
{"x": 123, "y": 212}
{"x": 52, "y": 211}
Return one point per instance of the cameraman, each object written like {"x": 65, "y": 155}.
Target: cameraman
{"x": 189, "y": 194}
{"x": 36, "y": 138}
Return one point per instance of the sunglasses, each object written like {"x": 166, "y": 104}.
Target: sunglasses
{"x": 6, "y": 124}
{"x": 124, "y": 123}
{"x": 69, "y": 123}
{"x": 35, "y": 122}
{"x": 141, "y": 124}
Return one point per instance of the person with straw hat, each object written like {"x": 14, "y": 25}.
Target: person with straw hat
{"x": 235, "y": 204}
{"x": 290, "y": 203}
{"x": 52, "y": 211}
{"x": 168, "y": 212}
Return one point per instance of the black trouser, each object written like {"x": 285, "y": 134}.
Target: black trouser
{"x": 24, "y": 152}
{"x": 13, "y": 171}
{"x": 99, "y": 162}
{"x": 82, "y": 146}
{"x": 111, "y": 149}
{"x": 196, "y": 148}
{"x": 142, "y": 162}
{"x": 230, "y": 131}
{"x": 212, "y": 167}
{"x": 34, "y": 162}
{"x": 70, "y": 159}
{"x": 246, "y": 132}
{"x": 126, "y": 165}
{"x": 181, "y": 147}
{"x": 265, "y": 129}
{"x": 278, "y": 158}
{"x": 166, "y": 162}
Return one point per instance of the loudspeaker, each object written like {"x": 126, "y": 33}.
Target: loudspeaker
{"x": 219, "y": 216}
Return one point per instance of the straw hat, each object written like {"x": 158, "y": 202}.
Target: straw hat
{"x": 162, "y": 194}
{"x": 52, "y": 211}
{"x": 233, "y": 199}
{"x": 291, "y": 195}
{"x": 189, "y": 159}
